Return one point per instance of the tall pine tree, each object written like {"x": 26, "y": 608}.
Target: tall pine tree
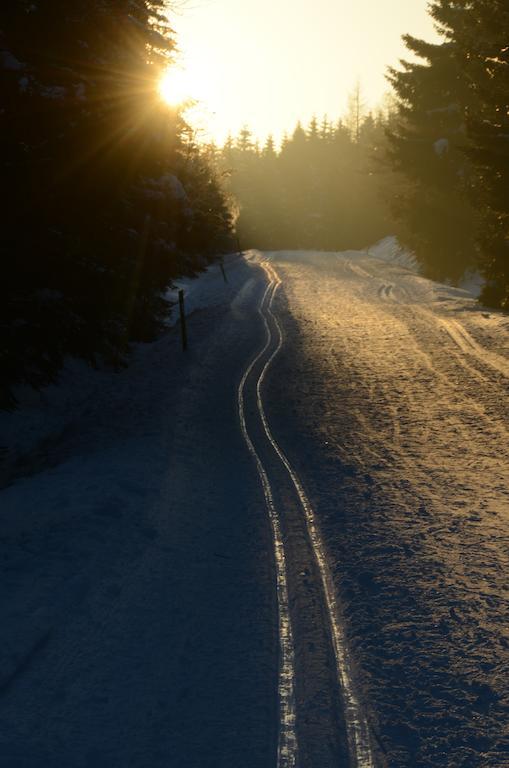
{"x": 483, "y": 40}
{"x": 96, "y": 222}
{"x": 428, "y": 152}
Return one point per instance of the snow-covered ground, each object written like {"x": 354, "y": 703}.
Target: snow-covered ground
{"x": 391, "y": 398}
{"x": 31, "y": 432}
{"x": 138, "y": 595}
{"x": 390, "y": 251}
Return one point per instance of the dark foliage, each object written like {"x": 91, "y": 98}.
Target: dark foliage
{"x": 430, "y": 202}
{"x": 450, "y": 145}
{"x": 104, "y": 195}
{"x": 483, "y": 41}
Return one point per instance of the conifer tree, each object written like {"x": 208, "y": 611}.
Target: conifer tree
{"x": 312, "y": 131}
{"x": 325, "y": 128}
{"x": 356, "y": 113}
{"x": 95, "y": 221}
{"x": 428, "y": 151}
{"x": 483, "y": 36}
{"x": 269, "y": 150}
{"x": 454, "y": 211}
{"x": 320, "y": 190}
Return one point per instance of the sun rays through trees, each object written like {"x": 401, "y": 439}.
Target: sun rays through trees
{"x": 107, "y": 196}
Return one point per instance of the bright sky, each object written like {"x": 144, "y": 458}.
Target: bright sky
{"x": 269, "y": 63}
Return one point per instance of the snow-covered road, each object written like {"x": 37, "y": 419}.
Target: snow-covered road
{"x": 390, "y": 398}
{"x": 139, "y": 622}
{"x": 313, "y": 501}
{"x": 320, "y": 719}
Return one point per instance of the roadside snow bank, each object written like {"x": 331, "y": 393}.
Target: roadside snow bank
{"x": 207, "y": 290}
{"x": 30, "y": 436}
{"x": 390, "y": 251}
{"x": 473, "y": 282}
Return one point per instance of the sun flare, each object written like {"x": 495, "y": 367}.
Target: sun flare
{"x": 176, "y": 87}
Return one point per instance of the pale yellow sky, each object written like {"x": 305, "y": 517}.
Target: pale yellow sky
{"x": 269, "y": 63}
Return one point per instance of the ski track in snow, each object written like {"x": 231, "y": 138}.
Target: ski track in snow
{"x": 287, "y": 742}
{"x": 359, "y": 748}
{"x": 356, "y": 723}
{"x": 380, "y": 399}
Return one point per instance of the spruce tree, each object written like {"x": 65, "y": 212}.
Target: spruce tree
{"x": 428, "y": 152}
{"x": 94, "y": 225}
{"x": 483, "y": 42}
{"x": 320, "y": 190}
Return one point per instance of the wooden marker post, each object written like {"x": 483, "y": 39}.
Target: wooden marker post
{"x": 183, "y": 328}
{"x": 221, "y": 264}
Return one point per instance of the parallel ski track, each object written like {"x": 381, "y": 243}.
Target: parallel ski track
{"x": 359, "y": 743}
{"x": 287, "y": 742}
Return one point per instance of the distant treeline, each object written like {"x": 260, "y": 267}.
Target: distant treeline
{"x": 433, "y": 167}
{"x": 106, "y": 198}
{"x": 321, "y": 189}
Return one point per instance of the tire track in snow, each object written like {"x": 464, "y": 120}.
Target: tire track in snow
{"x": 435, "y": 525}
{"x": 287, "y": 742}
{"x": 469, "y": 346}
{"x": 385, "y": 291}
{"x": 359, "y": 743}
{"x": 466, "y": 348}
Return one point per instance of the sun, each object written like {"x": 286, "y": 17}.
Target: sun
{"x": 176, "y": 87}
{"x": 192, "y": 89}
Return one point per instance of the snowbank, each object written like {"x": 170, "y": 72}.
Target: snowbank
{"x": 389, "y": 250}
{"x": 30, "y": 435}
{"x": 205, "y": 291}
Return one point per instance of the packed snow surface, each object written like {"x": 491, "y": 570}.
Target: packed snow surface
{"x": 138, "y": 603}
{"x": 138, "y": 594}
{"x": 396, "y": 416}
